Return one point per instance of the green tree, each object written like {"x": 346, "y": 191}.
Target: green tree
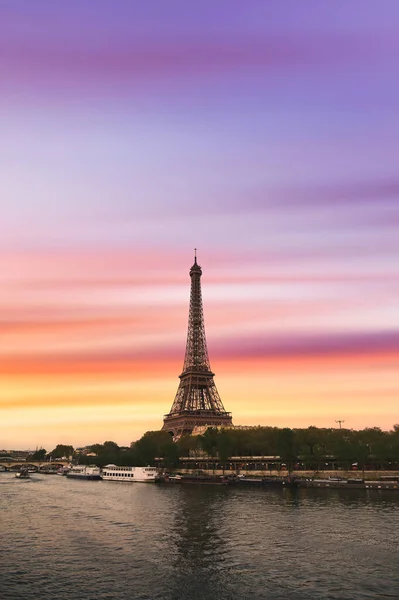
{"x": 171, "y": 454}
{"x": 287, "y": 448}
{"x": 61, "y": 450}
{"x": 39, "y": 454}
{"x": 155, "y": 444}
{"x": 188, "y": 444}
{"x": 96, "y": 448}
{"x": 209, "y": 441}
{"x": 224, "y": 446}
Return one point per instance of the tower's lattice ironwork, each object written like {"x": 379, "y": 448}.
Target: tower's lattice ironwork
{"x": 197, "y": 401}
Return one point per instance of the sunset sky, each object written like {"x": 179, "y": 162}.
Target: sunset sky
{"x": 264, "y": 133}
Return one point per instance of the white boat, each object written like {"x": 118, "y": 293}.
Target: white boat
{"x": 63, "y": 471}
{"x": 139, "y": 474}
{"x": 23, "y": 473}
{"x": 85, "y": 472}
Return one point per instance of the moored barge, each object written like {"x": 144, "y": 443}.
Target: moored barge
{"x": 195, "y": 479}
{"x": 84, "y": 472}
{"x": 140, "y": 474}
{"x": 337, "y": 483}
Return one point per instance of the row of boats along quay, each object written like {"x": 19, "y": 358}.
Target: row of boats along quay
{"x": 91, "y": 472}
{"x": 129, "y": 474}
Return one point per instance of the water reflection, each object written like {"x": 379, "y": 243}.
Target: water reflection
{"x": 200, "y": 570}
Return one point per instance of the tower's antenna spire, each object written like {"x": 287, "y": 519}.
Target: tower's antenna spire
{"x": 195, "y": 255}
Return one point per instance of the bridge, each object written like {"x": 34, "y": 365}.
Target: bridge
{"x": 11, "y": 464}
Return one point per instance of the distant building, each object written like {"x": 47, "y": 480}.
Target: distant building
{"x": 200, "y": 430}
{"x": 20, "y": 454}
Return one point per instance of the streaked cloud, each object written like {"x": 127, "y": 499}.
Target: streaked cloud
{"x": 263, "y": 135}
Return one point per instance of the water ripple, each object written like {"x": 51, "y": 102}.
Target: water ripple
{"x": 72, "y": 540}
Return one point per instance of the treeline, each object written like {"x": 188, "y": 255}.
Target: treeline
{"x": 153, "y": 444}
{"x": 311, "y": 446}
{"x": 141, "y": 453}
{"x": 60, "y": 451}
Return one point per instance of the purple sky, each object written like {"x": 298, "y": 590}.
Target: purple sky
{"x": 264, "y": 133}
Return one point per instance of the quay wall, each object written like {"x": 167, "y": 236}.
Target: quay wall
{"x": 370, "y": 475}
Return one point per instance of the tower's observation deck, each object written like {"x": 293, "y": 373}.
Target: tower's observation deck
{"x": 197, "y": 401}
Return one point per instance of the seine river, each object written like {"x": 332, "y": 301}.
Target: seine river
{"x": 63, "y": 539}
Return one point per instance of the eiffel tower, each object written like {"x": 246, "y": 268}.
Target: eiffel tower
{"x": 197, "y": 401}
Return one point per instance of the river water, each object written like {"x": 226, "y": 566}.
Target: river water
{"x": 63, "y": 539}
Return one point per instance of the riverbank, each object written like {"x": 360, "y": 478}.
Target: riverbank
{"x": 314, "y": 481}
{"x": 366, "y": 475}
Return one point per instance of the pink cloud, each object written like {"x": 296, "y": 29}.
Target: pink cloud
{"x": 257, "y": 347}
{"x": 44, "y": 58}
{"x": 312, "y": 346}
